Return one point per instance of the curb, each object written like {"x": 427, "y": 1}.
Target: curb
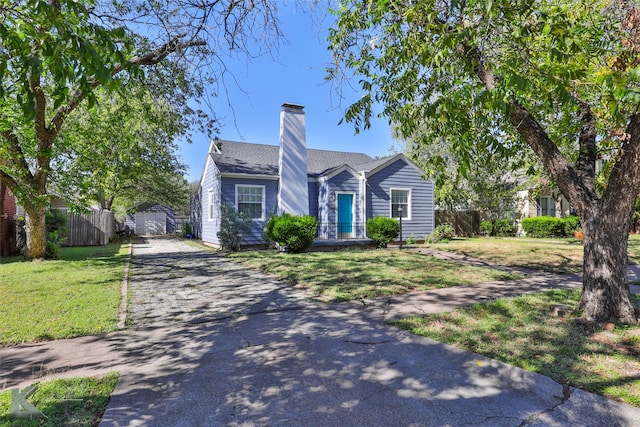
{"x": 124, "y": 290}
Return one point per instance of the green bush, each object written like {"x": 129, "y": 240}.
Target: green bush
{"x": 382, "y": 230}
{"x": 233, "y": 226}
{"x": 293, "y": 232}
{"x": 504, "y": 228}
{"x": 571, "y": 224}
{"x": 486, "y": 228}
{"x": 442, "y": 233}
{"x": 543, "y": 226}
{"x": 56, "y": 227}
{"x": 186, "y": 230}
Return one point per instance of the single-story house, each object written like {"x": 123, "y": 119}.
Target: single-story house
{"x": 341, "y": 190}
{"x": 544, "y": 204}
{"x": 8, "y": 215}
{"x": 151, "y": 219}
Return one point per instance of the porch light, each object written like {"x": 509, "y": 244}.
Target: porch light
{"x": 333, "y": 196}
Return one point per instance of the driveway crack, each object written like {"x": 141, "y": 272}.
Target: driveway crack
{"x": 566, "y": 395}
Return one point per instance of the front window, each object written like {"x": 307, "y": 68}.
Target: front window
{"x": 250, "y": 200}
{"x": 546, "y": 206}
{"x": 211, "y": 206}
{"x": 400, "y": 202}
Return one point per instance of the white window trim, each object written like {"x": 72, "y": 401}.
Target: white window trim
{"x": 262, "y": 187}
{"x": 210, "y": 206}
{"x": 409, "y": 203}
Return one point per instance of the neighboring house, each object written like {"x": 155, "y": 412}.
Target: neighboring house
{"x": 546, "y": 204}
{"x": 342, "y": 190}
{"x": 8, "y": 216}
{"x": 151, "y": 219}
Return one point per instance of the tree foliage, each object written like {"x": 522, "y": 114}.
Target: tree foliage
{"x": 56, "y": 53}
{"x": 499, "y": 78}
{"x": 122, "y": 151}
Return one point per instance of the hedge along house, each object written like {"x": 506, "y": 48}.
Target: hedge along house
{"x": 342, "y": 190}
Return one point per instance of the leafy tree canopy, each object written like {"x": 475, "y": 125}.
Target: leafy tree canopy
{"x": 56, "y": 53}
{"x": 494, "y": 77}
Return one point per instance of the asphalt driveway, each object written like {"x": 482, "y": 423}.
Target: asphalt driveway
{"x": 230, "y": 346}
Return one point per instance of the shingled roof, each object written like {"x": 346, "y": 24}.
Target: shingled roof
{"x": 261, "y": 159}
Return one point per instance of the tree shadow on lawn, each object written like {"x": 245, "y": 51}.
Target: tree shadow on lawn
{"x": 569, "y": 350}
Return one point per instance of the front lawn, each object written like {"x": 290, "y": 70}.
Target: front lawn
{"x": 65, "y": 402}
{"x": 523, "y": 332}
{"x": 79, "y": 294}
{"x": 353, "y": 274}
{"x": 554, "y": 255}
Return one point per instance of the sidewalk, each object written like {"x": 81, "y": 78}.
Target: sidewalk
{"x": 271, "y": 358}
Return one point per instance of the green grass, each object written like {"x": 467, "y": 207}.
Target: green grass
{"x": 65, "y": 402}
{"x": 79, "y": 294}
{"x": 353, "y": 274}
{"x": 554, "y": 255}
{"x": 522, "y": 332}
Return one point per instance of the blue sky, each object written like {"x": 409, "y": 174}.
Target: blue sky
{"x": 294, "y": 74}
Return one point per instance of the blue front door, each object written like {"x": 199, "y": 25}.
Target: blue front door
{"x": 345, "y": 215}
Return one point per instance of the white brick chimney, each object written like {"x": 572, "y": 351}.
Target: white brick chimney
{"x": 293, "y": 191}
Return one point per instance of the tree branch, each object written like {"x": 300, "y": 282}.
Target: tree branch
{"x": 626, "y": 171}
{"x": 588, "y": 150}
{"x": 151, "y": 58}
{"x": 579, "y": 193}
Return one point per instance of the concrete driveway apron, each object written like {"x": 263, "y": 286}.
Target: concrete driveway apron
{"x": 216, "y": 344}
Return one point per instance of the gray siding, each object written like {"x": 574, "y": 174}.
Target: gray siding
{"x": 400, "y": 175}
{"x": 210, "y": 186}
{"x": 313, "y": 198}
{"x": 228, "y": 196}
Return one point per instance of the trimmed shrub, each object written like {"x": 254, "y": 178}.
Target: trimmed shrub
{"x": 382, "y": 230}
{"x": 543, "y": 226}
{"x": 442, "y": 233}
{"x": 504, "y": 228}
{"x": 293, "y": 232}
{"x": 233, "y": 226}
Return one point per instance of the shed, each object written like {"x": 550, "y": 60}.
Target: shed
{"x": 151, "y": 219}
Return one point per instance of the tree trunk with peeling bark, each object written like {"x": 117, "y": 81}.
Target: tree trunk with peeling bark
{"x": 36, "y": 231}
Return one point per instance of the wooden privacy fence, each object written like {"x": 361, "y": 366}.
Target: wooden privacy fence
{"x": 93, "y": 229}
{"x": 465, "y": 223}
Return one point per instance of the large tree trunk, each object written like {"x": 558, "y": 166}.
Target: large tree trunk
{"x": 606, "y": 296}
{"x": 35, "y": 226}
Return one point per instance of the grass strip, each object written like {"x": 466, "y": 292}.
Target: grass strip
{"x": 352, "y": 274}
{"x": 65, "y": 402}
{"x": 78, "y": 294}
{"x": 524, "y": 332}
